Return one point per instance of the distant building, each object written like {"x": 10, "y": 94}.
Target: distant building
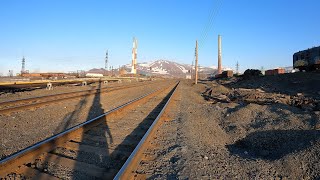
{"x": 275, "y": 71}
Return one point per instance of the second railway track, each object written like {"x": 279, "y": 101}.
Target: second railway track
{"x": 20, "y": 104}
{"x": 96, "y": 148}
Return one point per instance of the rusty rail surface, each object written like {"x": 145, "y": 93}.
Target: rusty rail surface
{"x": 18, "y": 162}
{"x": 16, "y": 105}
{"x": 127, "y": 171}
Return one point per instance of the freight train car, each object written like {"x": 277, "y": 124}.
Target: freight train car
{"x": 307, "y": 60}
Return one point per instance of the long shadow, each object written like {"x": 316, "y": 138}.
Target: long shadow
{"x": 15, "y": 88}
{"x": 203, "y": 81}
{"x": 100, "y": 138}
{"x": 70, "y": 118}
{"x": 65, "y": 124}
{"x": 138, "y": 133}
{"x": 273, "y": 144}
{"x": 101, "y": 158}
{"x": 289, "y": 84}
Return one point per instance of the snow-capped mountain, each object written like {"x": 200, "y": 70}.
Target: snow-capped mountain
{"x": 169, "y": 68}
{"x": 163, "y": 68}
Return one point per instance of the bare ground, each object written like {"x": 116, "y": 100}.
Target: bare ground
{"x": 258, "y": 128}
{"x": 242, "y": 136}
{"x": 24, "y": 128}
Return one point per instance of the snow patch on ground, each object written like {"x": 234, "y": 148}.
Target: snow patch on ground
{"x": 159, "y": 71}
{"x": 227, "y": 69}
{"x": 145, "y": 64}
{"x": 183, "y": 69}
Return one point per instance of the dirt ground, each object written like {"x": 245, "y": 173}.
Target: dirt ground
{"x": 257, "y": 128}
{"x": 260, "y": 128}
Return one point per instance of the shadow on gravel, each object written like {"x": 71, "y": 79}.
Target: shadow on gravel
{"x": 289, "y": 83}
{"x": 70, "y": 118}
{"x": 236, "y": 108}
{"x": 13, "y": 89}
{"x": 101, "y": 158}
{"x": 99, "y": 137}
{"x": 95, "y": 110}
{"x": 136, "y": 135}
{"x": 273, "y": 144}
{"x": 203, "y": 81}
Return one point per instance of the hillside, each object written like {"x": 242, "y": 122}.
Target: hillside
{"x": 163, "y": 68}
{"x": 169, "y": 68}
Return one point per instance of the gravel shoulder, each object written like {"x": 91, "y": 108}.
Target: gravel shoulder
{"x": 210, "y": 139}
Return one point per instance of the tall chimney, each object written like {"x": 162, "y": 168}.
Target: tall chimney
{"x": 134, "y": 56}
{"x": 23, "y": 65}
{"x": 219, "y": 55}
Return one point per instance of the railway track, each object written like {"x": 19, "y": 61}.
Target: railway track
{"x": 16, "y": 105}
{"x": 96, "y": 148}
{"x": 26, "y": 85}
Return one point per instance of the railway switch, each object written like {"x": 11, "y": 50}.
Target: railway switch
{"x": 49, "y": 86}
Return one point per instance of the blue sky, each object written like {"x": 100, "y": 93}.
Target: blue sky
{"x": 60, "y": 35}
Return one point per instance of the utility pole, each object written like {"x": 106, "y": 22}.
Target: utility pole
{"x": 191, "y": 71}
{"x": 237, "y": 68}
{"x": 219, "y": 55}
{"x": 106, "y": 62}
{"x": 262, "y": 70}
{"x": 111, "y": 70}
{"x": 196, "y": 64}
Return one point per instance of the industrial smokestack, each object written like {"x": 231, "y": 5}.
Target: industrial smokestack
{"x": 219, "y": 55}
{"x": 23, "y": 65}
{"x": 134, "y": 56}
{"x": 106, "y": 61}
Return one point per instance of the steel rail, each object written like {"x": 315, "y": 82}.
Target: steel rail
{"x": 64, "y": 96}
{"x": 133, "y": 160}
{"x": 11, "y": 162}
{"x": 42, "y": 84}
{"x": 6, "y": 103}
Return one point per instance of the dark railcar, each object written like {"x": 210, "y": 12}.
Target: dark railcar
{"x": 307, "y": 60}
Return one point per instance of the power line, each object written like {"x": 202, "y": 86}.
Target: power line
{"x": 203, "y": 32}
{"x": 215, "y": 12}
{"x": 207, "y": 28}
{"x": 237, "y": 67}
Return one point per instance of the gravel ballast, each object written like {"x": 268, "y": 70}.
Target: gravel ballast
{"x": 24, "y": 128}
{"x": 228, "y": 140}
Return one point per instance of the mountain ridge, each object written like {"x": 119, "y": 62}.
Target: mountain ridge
{"x": 163, "y": 68}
